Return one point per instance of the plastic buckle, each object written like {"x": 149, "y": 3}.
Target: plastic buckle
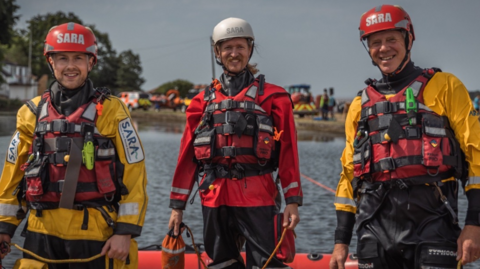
{"x": 87, "y": 127}
{"x": 64, "y": 127}
{"x": 236, "y": 174}
{"x": 412, "y": 132}
{"x": 228, "y": 116}
{"x": 227, "y": 104}
{"x": 228, "y": 152}
{"x": 56, "y": 126}
{"x": 62, "y": 144}
{"x": 249, "y": 106}
{"x": 387, "y": 164}
{"x": 384, "y": 107}
{"x": 60, "y": 184}
{"x": 58, "y": 159}
{"x": 228, "y": 129}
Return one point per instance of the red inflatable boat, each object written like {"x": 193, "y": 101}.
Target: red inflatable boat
{"x": 151, "y": 259}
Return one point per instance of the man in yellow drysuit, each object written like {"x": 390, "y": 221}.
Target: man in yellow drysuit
{"x": 77, "y": 163}
{"x": 409, "y": 137}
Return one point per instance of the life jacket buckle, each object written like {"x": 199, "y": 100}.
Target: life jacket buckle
{"x": 229, "y": 152}
{"x": 384, "y": 107}
{"x": 60, "y": 184}
{"x": 387, "y": 164}
{"x": 249, "y": 106}
{"x": 227, "y": 105}
{"x": 237, "y": 172}
{"x": 228, "y": 129}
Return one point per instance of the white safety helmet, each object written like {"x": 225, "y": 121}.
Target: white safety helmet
{"x": 232, "y": 28}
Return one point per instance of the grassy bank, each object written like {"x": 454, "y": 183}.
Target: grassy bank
{"x": 306, "y": 123}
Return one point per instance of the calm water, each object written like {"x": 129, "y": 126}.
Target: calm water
{"x": 319, "y": 160}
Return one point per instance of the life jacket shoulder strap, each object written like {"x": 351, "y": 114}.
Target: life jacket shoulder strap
{"x": 102, "y": 93}
{"x": 360, "y": 92}
{"x": 261, "y": 84}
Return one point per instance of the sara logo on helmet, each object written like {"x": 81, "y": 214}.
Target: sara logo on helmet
{"x": 378, "y": 18}
{"x": 235, "y": 30}
{"x": 73, "y": 38}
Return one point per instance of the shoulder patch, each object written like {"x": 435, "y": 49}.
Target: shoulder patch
{"x": 12, "y": 153}
{"x": 130, "y": 141}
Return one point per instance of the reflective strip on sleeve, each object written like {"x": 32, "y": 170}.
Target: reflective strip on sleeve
{"x": 128, "y": 209}
{"x": 473, "y": 180}
{"x": 181, "y": 191}
{"x": 291, "y": 186}
{"x": 345, "y": 201}
{"x": 171, "y": 251}
{"x": 9, "y": 210}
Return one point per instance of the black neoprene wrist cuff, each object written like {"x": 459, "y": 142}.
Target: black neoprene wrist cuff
{"x": 343, "y": 237}
{"x": 473, "y": 210}
{"x": 345, "y": 223}
{"x": 177, "y": 204}
{"x": 473, "y": 217}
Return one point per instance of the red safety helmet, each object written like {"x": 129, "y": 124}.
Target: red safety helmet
{"x": 71, "y": 37}
{"x": 385, "y": 17}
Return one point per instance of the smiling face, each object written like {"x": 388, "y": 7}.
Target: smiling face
{"x": 234, "y": 54}
{"x": 71, "y": 68}
{"x": 387, "y": 49}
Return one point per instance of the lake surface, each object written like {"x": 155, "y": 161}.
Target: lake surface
{"x": 319, "y": 160}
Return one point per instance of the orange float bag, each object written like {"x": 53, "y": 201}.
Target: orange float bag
{"x": 173, "y": 251}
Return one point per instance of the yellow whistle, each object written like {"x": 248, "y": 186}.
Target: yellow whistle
{"x": 66, "y": 158}
{"x": 88, "y": 154}
{"x": 211, "y": 187}
{"x": 387, "y": 137}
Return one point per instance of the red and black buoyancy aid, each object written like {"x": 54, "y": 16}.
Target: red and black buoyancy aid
{"x": 236, "y": 137}
{"x": 57, "y": 148}
{"x": 411, "y": 146}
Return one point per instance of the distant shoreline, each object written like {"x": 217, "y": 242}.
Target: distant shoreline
{"x": 307, "y": 123}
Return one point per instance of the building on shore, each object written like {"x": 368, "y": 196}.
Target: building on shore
{"x": 19, "y": 83}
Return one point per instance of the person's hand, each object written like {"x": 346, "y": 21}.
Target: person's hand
{"x": 290, "y": 216}
{"x": 4, "y": 238}
{"x": 339, "y": 256}
{"x": 468, "y": 244}
{"x": 175, "y": 219}
{"x": 117, "y": 247}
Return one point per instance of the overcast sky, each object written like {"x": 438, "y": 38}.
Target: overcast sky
{"x": 314, "y": 42}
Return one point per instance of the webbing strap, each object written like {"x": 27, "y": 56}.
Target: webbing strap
{"x": 71, "y": 174}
